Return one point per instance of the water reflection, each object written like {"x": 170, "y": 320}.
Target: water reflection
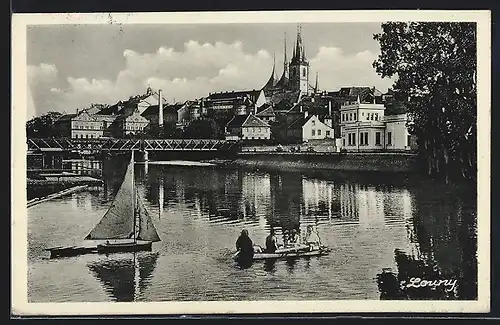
{"x": 408, "y": 229}
{"x": 443, "y": 247}
{"x": 125, "y": 278}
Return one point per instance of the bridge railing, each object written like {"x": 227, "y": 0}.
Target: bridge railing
{"x": 130, "y": 144}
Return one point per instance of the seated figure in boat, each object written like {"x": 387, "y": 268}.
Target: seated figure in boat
{"x": 293, "y": 238}
{"x": 312, "y": 238}
{"x": 271, "y": 243}
{"x": 245, "y": 245}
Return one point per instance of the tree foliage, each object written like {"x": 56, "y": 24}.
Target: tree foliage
{"x": 435, "y": 65}
{"x": 42, "y": 126}
{"x": 202, "y": 129}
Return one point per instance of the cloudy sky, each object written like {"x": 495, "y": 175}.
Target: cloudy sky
{"x": 71, "y": 66}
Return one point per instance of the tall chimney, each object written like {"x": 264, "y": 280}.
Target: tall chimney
{"x": 160, "y": 108}
{"x": 330, "y": 107}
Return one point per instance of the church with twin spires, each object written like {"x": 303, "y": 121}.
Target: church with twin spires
{"x": 295, "y": 76}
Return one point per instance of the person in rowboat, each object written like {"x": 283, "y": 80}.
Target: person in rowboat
{"x": 294, "y": 238}
{"x": 312, "y": 238}
{"x": 244, "y": 245}
{"x": 271, "y": 244}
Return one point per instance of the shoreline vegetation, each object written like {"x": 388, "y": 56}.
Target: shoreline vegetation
{"x": 362, "y": 162}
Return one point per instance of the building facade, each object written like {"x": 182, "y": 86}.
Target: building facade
{"x": 81, "y": 125}
{"x": 396, "y": 133}
{"x": 130, "y": 125}
{"x": 310, "y": 127}
{"x": 247, "y": 127}
{"x": 365, "y": 127}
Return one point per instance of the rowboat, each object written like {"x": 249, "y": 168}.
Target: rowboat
{"x": 286, "y": 253}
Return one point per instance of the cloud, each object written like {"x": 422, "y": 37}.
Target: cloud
{"x": 194, "y": 71}
{"x": 43, "y": 73}
{"x": 337, "y": 69}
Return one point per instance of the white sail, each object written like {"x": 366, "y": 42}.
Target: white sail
{"x": 118, "y": 221}
{"x": 127, "y": 216}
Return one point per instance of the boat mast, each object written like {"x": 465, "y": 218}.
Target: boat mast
{"x": 133, "y": 195}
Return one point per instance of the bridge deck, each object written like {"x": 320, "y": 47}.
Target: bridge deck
{"x": 64, "y": 144}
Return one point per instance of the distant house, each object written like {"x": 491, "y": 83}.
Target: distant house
{"x": 179, "y": 114}
{"x": 151, "y": 99}
{"x": 266, "y": 113}
{"x": 310, "y": 127}
{"x": 247, "y": 127}
{"x": 132, "y": 124}
{"x": 176, "y": 114}
{"x": 234, "y": 102}
{"x": 81, "y": 125}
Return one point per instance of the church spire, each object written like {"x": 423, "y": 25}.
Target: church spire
{"x": 285, "y": 59}
{"x": 298, "y": 44}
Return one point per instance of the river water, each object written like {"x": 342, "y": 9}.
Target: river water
{"x": 199, "y": 212}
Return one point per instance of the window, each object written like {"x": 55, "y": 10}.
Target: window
{"x": 376, "y": 116}
{"x": 389, "y": 138}
{"x": 313, "y": 132}
{"x": 354, "y": 139}
{"x": 343, "y": 142}
{"x": 313, "y": 123}
{"x": 367, "y": 117}
{"x": 349, "y": 142}
{"x": 350, "y": 116}
{"x": 355, "y": 116}
{"x": 371, "y": 116}
{"x": 363, "y": 140}
{"x": 303, "y": 72}
{"x": 362, "y": 113}
{"x": 86, "y": 136}
{"x": 408, "y": 138}
{"x": 377, "y": 138}
{"x": 319, "y": 132}
{"x": 327, "y": 133}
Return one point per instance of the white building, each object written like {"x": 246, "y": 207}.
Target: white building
{"x": 396, "y": 133}
{"x": 364, "y": 127}
{"x": 313, "y": 128}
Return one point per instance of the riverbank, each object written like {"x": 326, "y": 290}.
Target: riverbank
{"x": 381, "y": 162}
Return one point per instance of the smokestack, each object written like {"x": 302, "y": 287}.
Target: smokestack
{"x": 160, "y": 109}
{"x": 330, "y": 107}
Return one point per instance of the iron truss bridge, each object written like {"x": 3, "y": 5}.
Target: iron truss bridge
{"x": 96, "y": 145}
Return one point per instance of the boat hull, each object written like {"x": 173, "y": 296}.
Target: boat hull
{"x": 124, "y": 247}
{"x": 71, "y": 251}
{"x": 273, "y": 256}
{"x": 288, "y": 254}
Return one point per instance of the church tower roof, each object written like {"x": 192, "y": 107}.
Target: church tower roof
{"x": 283, "y": 81}
{"x": 299, "y": 52}
{"x": 272, "y": 79}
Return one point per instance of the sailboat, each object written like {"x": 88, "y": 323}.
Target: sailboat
{"x": 126, "y": 226}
